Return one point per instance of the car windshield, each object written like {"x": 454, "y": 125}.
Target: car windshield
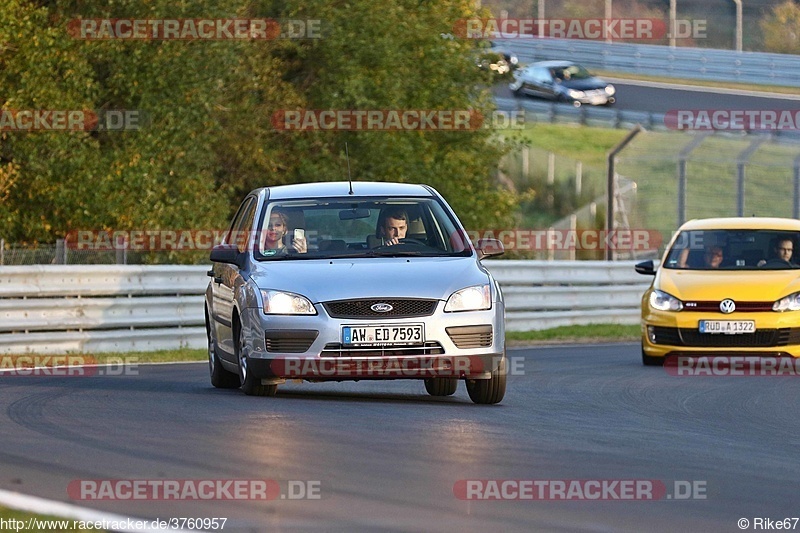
{"x": 361, "y": 227}
{"x": 571, "y": 72}
{"x": 738, "y": 249}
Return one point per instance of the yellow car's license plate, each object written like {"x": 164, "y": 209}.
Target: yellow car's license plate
{"x": 728, "y": 327}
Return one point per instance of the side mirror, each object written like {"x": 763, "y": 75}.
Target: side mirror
{"x": 646, "y": 267}
{"x": 489, "y": 248}
{"x": 228, "y": 253}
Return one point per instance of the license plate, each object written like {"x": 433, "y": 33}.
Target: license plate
{"x": 728, "y": 327}
{"x": 383, "y": 335}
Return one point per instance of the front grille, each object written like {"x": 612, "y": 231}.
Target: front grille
{"x": 465, "y": 337}
{"x": 335, "y": 349}
{"x": 294, "y": 341}
{"x": 401, "y": 308}
{"x": 741, "y": 307}
{"x": 762, "y": 338}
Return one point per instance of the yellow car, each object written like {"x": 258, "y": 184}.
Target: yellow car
{"x": 724, "y": 286}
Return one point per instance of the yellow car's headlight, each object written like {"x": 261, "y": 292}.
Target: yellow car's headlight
{"x": 788, "y": 303}
{"x": 664, "y": 301}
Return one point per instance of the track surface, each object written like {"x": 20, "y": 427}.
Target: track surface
{"x": 661, "y": 99}
{"x": 387, "y": 456}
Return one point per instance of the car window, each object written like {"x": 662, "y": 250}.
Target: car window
{"x": 352, "y": 228}
{"x": 242, "y": 225}
{"x": 733, "y": 250}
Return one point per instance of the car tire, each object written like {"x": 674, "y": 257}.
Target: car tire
{"x": 441, "y": 386}
{"x": 250, "y": 384}
{"x": 489, "y": 391}
{"x": 220, "y": 378}
{"x": 649, "y": 360}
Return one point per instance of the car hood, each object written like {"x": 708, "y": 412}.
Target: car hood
{"x": 752, "y": 285}
{"x": 585, "y": 84}
{"x": 323, "y": 280}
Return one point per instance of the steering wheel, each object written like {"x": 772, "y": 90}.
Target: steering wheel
{"x": 778, "y": 263}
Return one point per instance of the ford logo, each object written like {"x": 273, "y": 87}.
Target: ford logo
{"x": 727, "y": 306}
{"x": 381, "y": 308}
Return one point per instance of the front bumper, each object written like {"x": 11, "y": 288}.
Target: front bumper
{"x": 665, "y": 334}
{"x": 467, "y": 345}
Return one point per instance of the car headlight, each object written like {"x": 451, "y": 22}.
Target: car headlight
{"x": 664, "y": 301}
{"x": 788, "y": 303}
{"x": 610, "y": 89}
{"x": 576, "y": 94}
{"x": 469, "y": 299}
{"x": 286, "y": 303}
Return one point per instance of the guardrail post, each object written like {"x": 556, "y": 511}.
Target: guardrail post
{"x": 578, "y": 178}
{"x": 2, "y": 251}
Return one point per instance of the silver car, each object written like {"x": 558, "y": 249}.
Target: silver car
{"x": 350, "y": 281}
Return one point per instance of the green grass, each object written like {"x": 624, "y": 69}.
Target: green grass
{"x": 591, "y": 332}
{"x": 9, "y": 514}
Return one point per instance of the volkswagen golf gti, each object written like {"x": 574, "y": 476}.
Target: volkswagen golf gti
{"x": 353, "y": 281}
{"x": 724, "y": 286}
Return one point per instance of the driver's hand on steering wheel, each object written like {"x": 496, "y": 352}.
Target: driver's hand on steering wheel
{"x": 390, "y": 242}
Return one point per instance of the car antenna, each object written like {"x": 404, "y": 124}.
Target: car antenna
{"x": 347, "y": 156}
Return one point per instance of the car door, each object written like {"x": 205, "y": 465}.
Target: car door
{"x": 226, "y": 276}
{"x": 547, "y": 84}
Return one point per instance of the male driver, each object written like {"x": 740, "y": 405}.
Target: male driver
{"x": 394, "y": 226}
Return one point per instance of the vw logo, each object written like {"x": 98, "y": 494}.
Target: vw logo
{"x": 381, "y": 308}
{"x": 727, "y": 306}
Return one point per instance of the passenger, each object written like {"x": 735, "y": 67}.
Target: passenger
{"x": 713, "y": 257}
{"x": 276, "y": 231}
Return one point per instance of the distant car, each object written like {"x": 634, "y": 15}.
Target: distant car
{"x": 498, "y": 59}
{"x": 342, "y": 299}
{"x": 562, "y": 81}
{"x": 725, "y": 285}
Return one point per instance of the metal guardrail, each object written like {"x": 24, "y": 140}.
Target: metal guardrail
{"x": 681, "y": 62}
{"x": 82, "y": 309}
{"x": 601, "y": 117}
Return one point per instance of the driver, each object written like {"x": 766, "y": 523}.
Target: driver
{"x": 783, "y": 251}
{"x": 393, "y": 226}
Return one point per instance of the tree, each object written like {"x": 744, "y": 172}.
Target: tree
{"x": 781, "y": 28}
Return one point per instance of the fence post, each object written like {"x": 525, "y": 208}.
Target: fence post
{"x": 578, "y": 178}
{"x": 2, "y": 251}
{"x": 61, "y": 252}
{"x": 796, "y": 203}
{"x": 611, "y": 193}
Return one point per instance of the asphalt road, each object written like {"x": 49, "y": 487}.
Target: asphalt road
{"x": 384, "y": 455}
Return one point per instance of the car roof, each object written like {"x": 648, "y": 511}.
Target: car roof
{"x": 742, "y": 223}
{"x": 551, "y": 64}
{"x": 334, "y": 189}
